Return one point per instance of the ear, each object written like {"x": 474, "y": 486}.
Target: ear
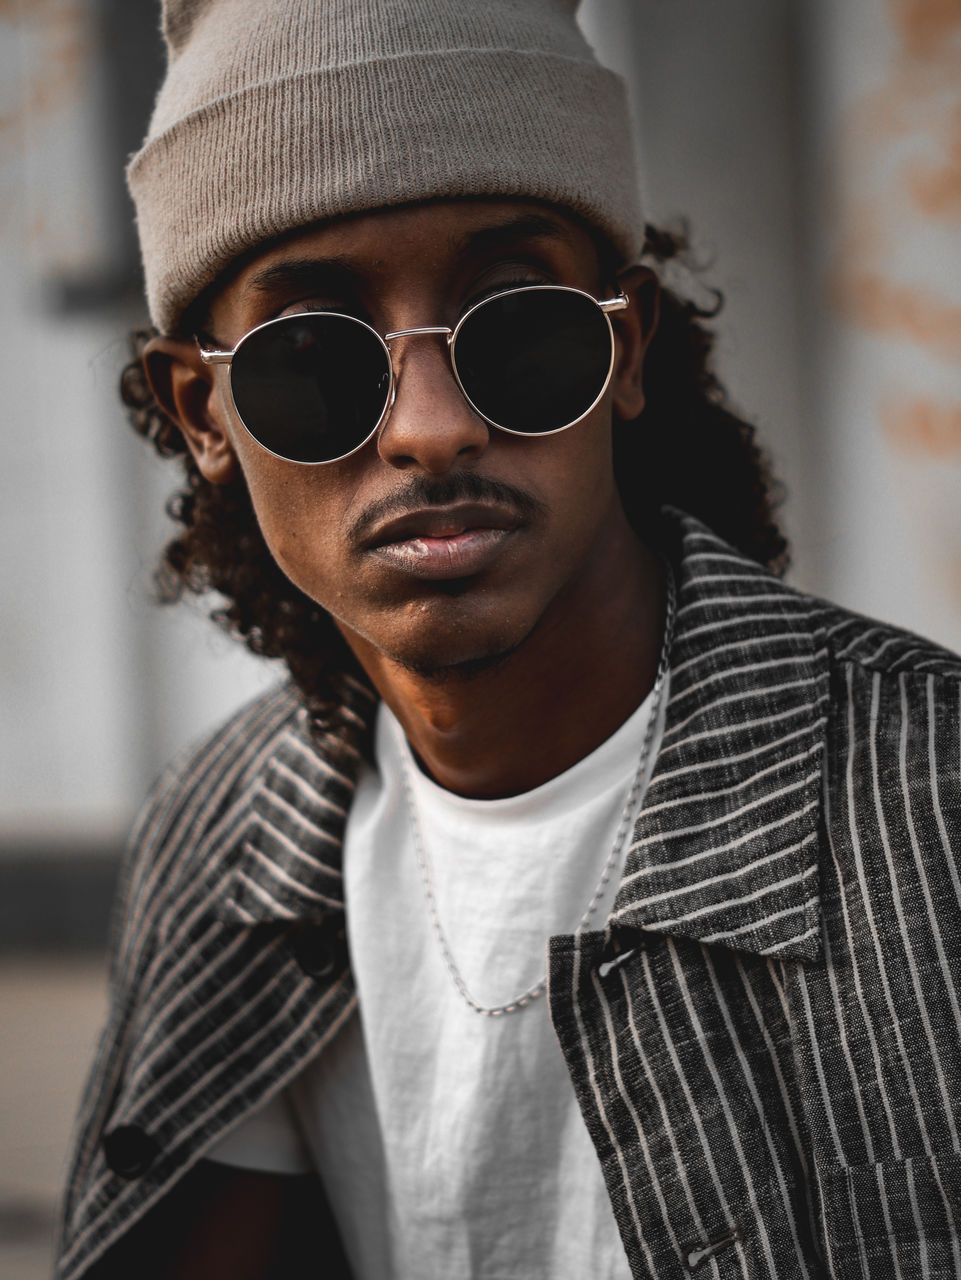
{"x": 183, "y": 387}
{"x": 633, "y": 328}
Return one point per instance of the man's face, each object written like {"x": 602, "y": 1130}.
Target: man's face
{"x": 443, "y": 542}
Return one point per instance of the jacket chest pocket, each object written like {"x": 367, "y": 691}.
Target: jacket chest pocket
{"x": 896, "y": 1218}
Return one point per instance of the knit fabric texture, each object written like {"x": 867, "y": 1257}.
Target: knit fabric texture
{"x": 276, "y": 114}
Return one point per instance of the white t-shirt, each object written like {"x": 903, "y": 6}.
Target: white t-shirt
{"x": 450, "y": 1143}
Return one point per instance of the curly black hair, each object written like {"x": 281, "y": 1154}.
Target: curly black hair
{"x": 693, "y": 452}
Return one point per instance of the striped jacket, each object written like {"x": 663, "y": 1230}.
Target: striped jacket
{"x": 765, "y": 1039}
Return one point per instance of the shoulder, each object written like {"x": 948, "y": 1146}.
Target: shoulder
{"x": 881, "y": 647}
{"x": 203, "y": 780}
{"x": 189, "y": 826}
{"x": 893, "y": 730}
{"x": 894, "y": 696}
{"x": 724, "y": 589}
{"x": 754, "y": 657}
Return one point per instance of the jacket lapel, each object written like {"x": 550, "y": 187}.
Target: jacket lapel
{"x": 725, "y": 850}
{"x": 291, "y": 845}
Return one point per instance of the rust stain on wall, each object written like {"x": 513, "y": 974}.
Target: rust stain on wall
{"x": 54, "y": 38}
{"x": 898, "y": 185}
{"x": 924, "y": 24}
{"x": 892, "y": 309}
{"x": 924, "y": 426}
{"x": 937, "y": 187}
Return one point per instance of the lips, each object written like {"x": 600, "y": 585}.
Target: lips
{"x": 444, "y": 542}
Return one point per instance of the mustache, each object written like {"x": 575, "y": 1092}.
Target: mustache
{"x": 439, "y": 491}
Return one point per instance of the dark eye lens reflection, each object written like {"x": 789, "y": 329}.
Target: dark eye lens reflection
{"x": 311, "y": 388}
{"x": 536, "y": 360}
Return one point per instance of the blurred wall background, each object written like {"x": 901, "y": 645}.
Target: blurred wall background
{"x": 815, "y": 149}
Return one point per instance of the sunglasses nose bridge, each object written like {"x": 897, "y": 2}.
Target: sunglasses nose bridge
{"x": 431, "y": 424}
{"x": 438, "y": 330}
{"x": 410, "y": 333}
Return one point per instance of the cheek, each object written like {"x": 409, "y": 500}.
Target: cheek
{"x": 578, "y": 479}
{"x": 296, "y": 512}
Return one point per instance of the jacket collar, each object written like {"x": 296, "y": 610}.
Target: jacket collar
{"x": 288, "y": 854}
{"x": 725, "y": 848}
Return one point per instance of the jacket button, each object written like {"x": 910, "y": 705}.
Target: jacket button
{"x": 129, "y": 1150}
{"x": 320, "y": 950}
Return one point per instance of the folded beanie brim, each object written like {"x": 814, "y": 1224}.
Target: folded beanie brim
{"x": 275, "y": 156}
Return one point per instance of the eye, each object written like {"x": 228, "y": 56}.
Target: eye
{"x": 502, "y": 286}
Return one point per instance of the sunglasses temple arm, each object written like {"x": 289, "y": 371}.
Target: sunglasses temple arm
{"x": 615, "y": 304}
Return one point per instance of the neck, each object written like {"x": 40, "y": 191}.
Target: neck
{"x": 510, "y": 727}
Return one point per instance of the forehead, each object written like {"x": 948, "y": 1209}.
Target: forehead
{"x": 439, "y": 238}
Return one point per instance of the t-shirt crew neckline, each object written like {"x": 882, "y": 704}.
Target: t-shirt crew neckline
{"x": 615, "y": 758}
{"x": 506, "y": 874}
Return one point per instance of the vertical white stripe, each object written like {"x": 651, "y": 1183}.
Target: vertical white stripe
{"x": 955, "y": 1248}
{"x": 933, "y": 924}
{"x": 840, "y": 1261}
{"x": 692, "y": 1104}
{"x": 855, "y": 838}
{"x": 837, "y": 1007}
{"x": 779, "y": 979}
{"x": 601, "y": 1111}
{"x": 949, "y": 862}
{"x": 819, "y": 1071}
{"x": 759, "y": 1109}
{"x": 916, "y": 1212}
{"x": 666, "y": 1123}
{"x": 722, "y": 1097}
{"x": 882, "y": 1199}
{"x": 871, "y": 913}
{"x": 786, "y": 1100}
{"x": 950, "y": 855}
{"x": 635, "y": 1118}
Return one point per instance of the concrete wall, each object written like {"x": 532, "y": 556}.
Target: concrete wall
{"x": 97, "y": 686}
{"x": 816, "y": 150}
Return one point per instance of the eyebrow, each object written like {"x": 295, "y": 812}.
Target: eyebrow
{"x": 527, "y": 226}
{"x": 325, "y": 275}
{"x": 338, "y": 275}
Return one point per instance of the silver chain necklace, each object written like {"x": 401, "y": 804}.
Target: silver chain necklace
{"x": 624, "y": 826}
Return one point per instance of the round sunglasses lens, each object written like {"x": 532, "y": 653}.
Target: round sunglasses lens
{"x": 536, "y": 360}
{"x": 311, "y": 388}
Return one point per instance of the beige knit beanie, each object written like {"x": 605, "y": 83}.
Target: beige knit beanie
{"x": 279, "y": 113}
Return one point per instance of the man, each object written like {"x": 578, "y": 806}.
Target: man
{"x": 438, "y": 437}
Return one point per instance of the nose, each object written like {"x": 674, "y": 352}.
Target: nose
{"x": 430, "y": 427}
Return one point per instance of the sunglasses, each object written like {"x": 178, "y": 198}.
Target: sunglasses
{"x": 316, "y": 386}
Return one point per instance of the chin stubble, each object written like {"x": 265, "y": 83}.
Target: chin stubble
{"x": 458, "y": 672}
